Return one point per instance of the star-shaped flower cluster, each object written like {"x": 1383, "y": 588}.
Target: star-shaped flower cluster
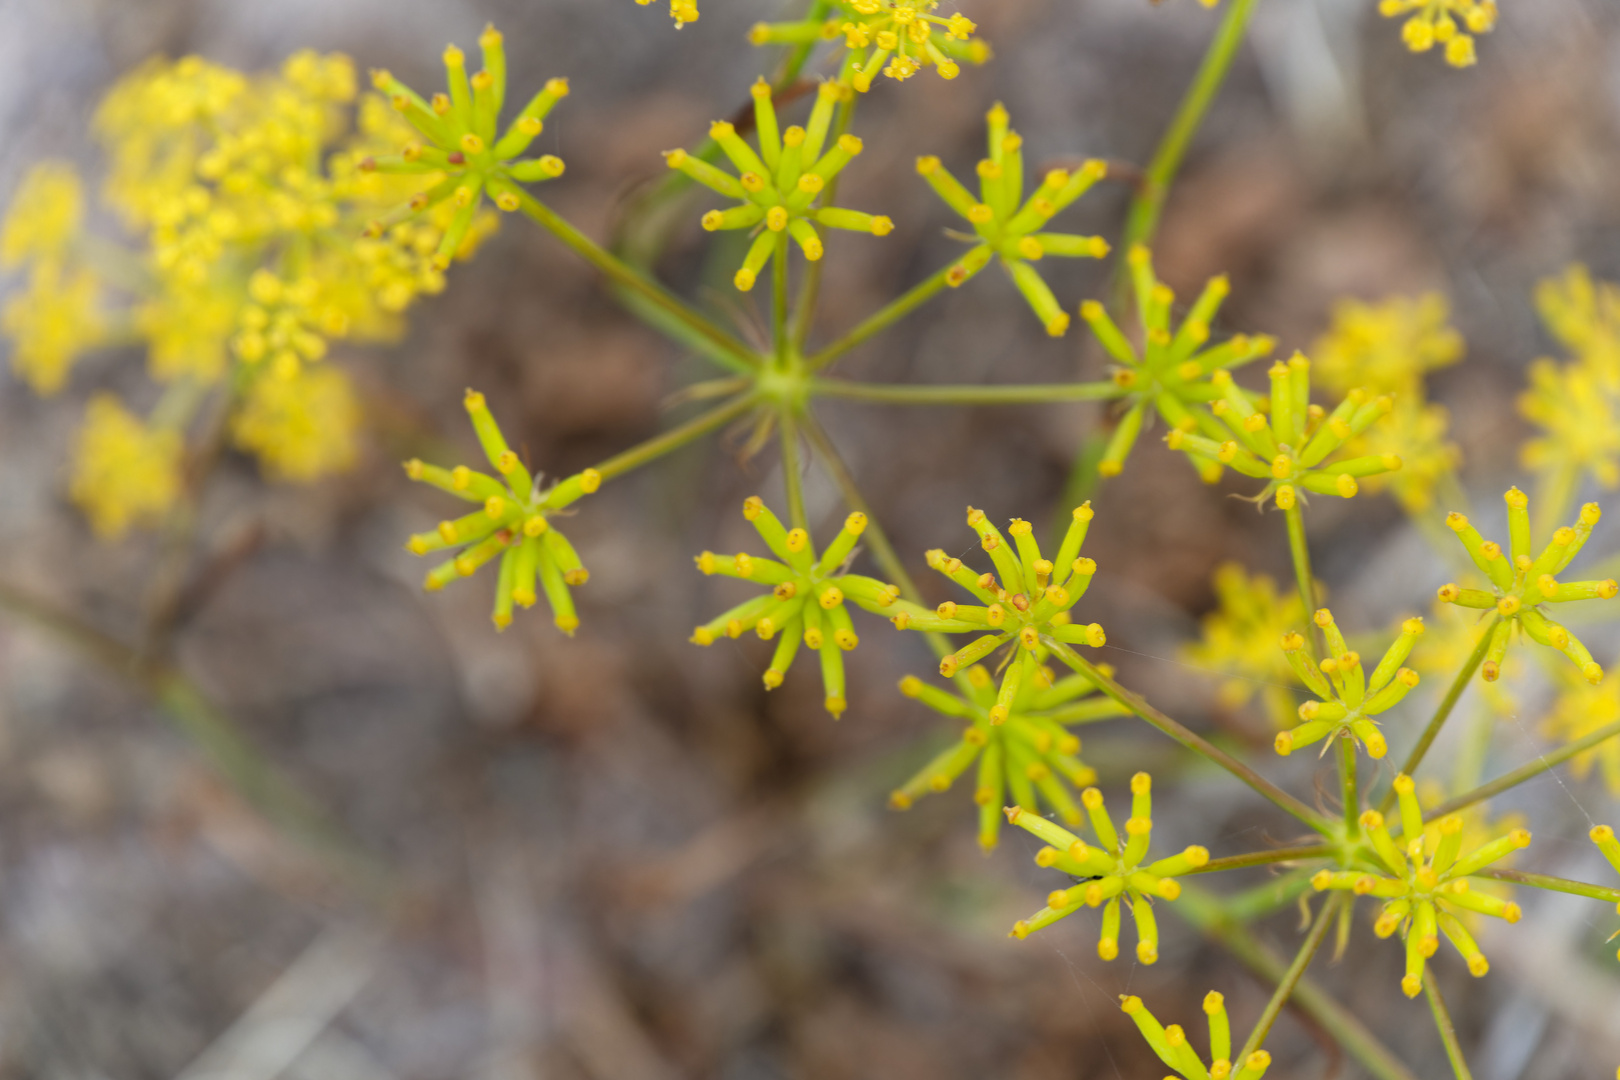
{"x": 1239, "y": 641}
{"x": 897, "y": 38}
{"x": 1435, "y": 22}
{"x": 1349, "y": 697}
{"x": 1171, "y": 1044}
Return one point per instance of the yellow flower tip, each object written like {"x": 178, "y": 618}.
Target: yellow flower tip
{"x": 1592, "y": 672}
{"x": 1283, "y": 743}
{"x": 567, "y": 623}
{"x": 702, "y": 636}
{"x": 1095, "y": 637}
{"x": 1414, "y": 626}
{"x": 1170, "y": 888}
{"x": 1092, "y": 798}
{"x": 577, "y": 576}
{"x": 1110, "y": 468}
{"x": 1058, "y": 324}
{"x": 675, "y": 158}
{"x": 1029, "y": 638}
{"x": 447, "y": 531}
{"x": 743, "y": 280}
{"x": 1456, "y": 522}
{"x": 417, "y": 545}
{"x": 1403, "y": 786}
{"x": 1412, "y": 985}
{"x": 1141, "y": 784}
{"x": 1056, "y": 899}
{"x": 1516, "y": 499}
{"x": 1449, "y": 592}
{"x": 1512, "y": 913}
{"x": 722, "y": 129}
{"x": 1091, "y": 310}
{"x": 502, "y": 619}
{"x": 1286, "y": 498}
{"x": 1257, "y": 1062}
{"x": 1520, "y": 837}
{"x": 927, "y": 164}
{"x": 1321, "y": 880}
{"x": 713, "y": 220}
{"x": 537, "y": 524}
{"x": 882, "y": 226}
{"x": 440, "y": 104}
{"x": 1214, "y": 1002}
{"x": 454, "y": 57}
{"x": 846, "y": 639}
{"x": 1601, "y": 834}
{"x": 507, "y": 201}
{"x": 1372, "y": 819}
{"x": 472, "y": 400}
{"x": 830, "y": 597}
{"x": 835, "y": 705}
{"x": 1292, "y": 641}
{"x": 1478, "y": 965}
{"x": 1346, "y": 485}
{"x": 524, "y": 597}
{"x": 1377, "y": 747}
{"x": 1020, "y": 930}
{"x": 1220, "y": 1069}
{"x": 1490, "y": 671}
{"x": 1147, "y": 952}
{"x": 1084, "y": 512}
{"x": 431, "y": 583}
{"x": 471, "y": 143}
{"x": 1138, "y": 826}
{"x": 1013, "y": 813}
{"x": 1590, "y": 513}
{"x": 981, "y": 214}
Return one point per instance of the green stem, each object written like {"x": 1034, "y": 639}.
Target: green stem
{"x": 621, "y": 273}
{"x": 779, "y": 303}
{"x": 1525, "y": 772}
{"x": 1449, "y": 702}
{"x": 675, "y": 438}
{"x": 1448, "y": 1030}
{"x": 1300, "y": 552}
{"x": 895, "y": 310}
{"x": 1207, "y": 914}
{"x": 903, "y": 394}
{"x": 1555, "y": 884}
{"x": 792, "y": 468}
{"x": 1291, "y": 977}
{"x": 1264, "y": 858}
{"x": 1347, "y": 783}
{"x": 1196, "y": 743}
{"x": 1273, "y": 895}
{"x": 1142, "y": 219}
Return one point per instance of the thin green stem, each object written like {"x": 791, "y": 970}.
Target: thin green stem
{"x": 1347, "y": 783}
{"x": 1449, "y": 702}
{"x": 792, "y": 467}
{"x": 779, "y": 303}
{"x": 892, "y": 312}
{"x": 1209, "y": 915}
{"x": 675, "y": 438}
{"x": 904, "y": 394}
{"x": 1448, "y": 1030}
{"x": 1530, "y": 771}
{"x": 1264, "y": 858}
{"x": 1291, "y": 977}
{"x": 1273, "y": 895}
{"x": 1300, "y": 552}
{"x": 621, "y": 273}
{"x": 1142, "y": 219}
{"x": 1555, "y": 884}
{"x": 1196, "y": 743}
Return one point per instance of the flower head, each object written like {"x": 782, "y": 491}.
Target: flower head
{"x": 1348, "y": 697}
{"x": 1520, "y": 583}
{"x": 1580, "y": 419}
{"x": 1289, "y": 443}
{"x": 1417, "y": 434}
{"x": 1240, "y": 641}
{"x": 1425, "y": 883}
{"x": 1112, "y": 868}
{"x": 1436, "y": 22}
{"x": 44, "y": 215}
{"x": 1584, "y": 316}
{"x": 682, "y": 11}
{"x": 1029, "y": 752}
{"x": 897, "y": 38}
{"x": 1008, "y": 226}
{"x": 462, "y": 147}
{"x": 1580, "y": 709}
{"x": 778, "y": 188}
{"x": 1171, "y": 1044}
{"x": 514, "y": 524}
{"x": 124, "y": 471}
{"x": 1387, "y": 347}
{"x": 809, "y": 598}
{"x": 1025, "y": 602}
{"x": 51, "y": 324}
{"x": 301, "y": 426}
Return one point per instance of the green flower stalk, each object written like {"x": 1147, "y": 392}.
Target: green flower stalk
{"x": 1171, "y": 1044}
{"x": 513, "y": 525}
{"x": 1603, "y": 837}
{"x": 1289, "y": 442}
{"x": 1170, "y": 372}
{"x": 1030, "y": 753}
{"x": 1426, "y": 885}
{"x": 1349, "y": 696}
{"x": 897, "y": 38}
{"x": 1027, "y": 599}
{"x": 1114, "y": 869}
{"x": 461, "y": 144}
{"x": 809, "y": 598}
{"x": 1010, "y": 231}
{"x": 1522, "y": 582}
{"x": 777, "y": 188}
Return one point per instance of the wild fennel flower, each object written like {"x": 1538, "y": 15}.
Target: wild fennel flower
{"x": 51, "y": 324}
{"x": 1348, "y": 697}
{"x": 1603, "y": 837}
{"x": 1169, "y": 373}
{"x": 905, "y": 33}
{"x": 1289, "y": 444}
{"x": 1010, "y": 231}
{"x": 1426, "y": 886}
{"x": 1580, "y": 709}
{"x": 1171, "y": 1044}
{"x": 460, "y": 129}
{"x": 1584, "y": 316}
{"x": 125, "y": 471}
{"x": 1521, "y": 583}
{"x": 1113, "y": 868}
{"x": 301, "y": 426}
{"x": 682, "y": 11}
{"x": 1025, "y": 600}
{"x": 1580, "y": 418}
{"x": 1239, "y": 642}
{"x": 1416, "y": 433}
{"x": 1386, "y": 347}
{"x": 44, "y": 215}
{"x": 777, "y": 188}
{"x": 514, "y": 523}
{"x": 809, "y": 598}
{"x": 1435, "y": 22}
{"x": 1029, "y": 753}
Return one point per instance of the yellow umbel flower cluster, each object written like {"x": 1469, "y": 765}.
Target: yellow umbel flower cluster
{"x": 1426, "y": 886}
{"x": 807, "y": 600}
{"x": 897, "y": 38}
{"x": 1240, "y": 637}
{"x": 124, "y": 471}
{"x": 1112, "y": 870}
{"x": 682, "y": 11}
{"x": 1348, "y": 696}
{"x": 1576, "y": 404}
{"x": 1580, "y": 709}
{"x": 1521, "y": 582}
{"x": 1008, "y": 226}
{"x": 1442, "y": 22}
{"x": 514, "y": 524}
{"x": 301, "y": 426}
{"x": 1028, "y": 753}
{"x": 779, "y": 187}
{"x": 1171, "y": 1044}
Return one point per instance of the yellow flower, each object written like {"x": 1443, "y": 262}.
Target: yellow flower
{"x": 124, "y": 472}
{"x": 1171, "y": 1044}
{"x": 1581, "y": 420}
{"x": 897, "y": 38}
{"x": 1579, "y": 710}
{"x": 1240, "y": 641}
{"x": 302, "y": 426}
{"x": 188, "y": 328}
{"x": 1603, "y": 837}
{"x": 1584, "y": 316}
{"x": 1387, "y": 347}
{"x": 1415, "y": 433}
{"x": 1436, "y": 22}
{"x": 56, "y": 319}
{"x": 1349, "y": 695}
{"x": 682, "y": 11}
{"x": 44, "y": 216}
{"x": 1454, "y": 633}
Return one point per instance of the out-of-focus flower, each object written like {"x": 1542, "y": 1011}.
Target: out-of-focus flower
{"x": 125, "y": 472}
{"x": 1240, "y": 641}
{"x": 1441, "y": 22}
{"x": 897, "y": 38}
{"x": 301, "y": 426}
{"x": 1387, "y": 347}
